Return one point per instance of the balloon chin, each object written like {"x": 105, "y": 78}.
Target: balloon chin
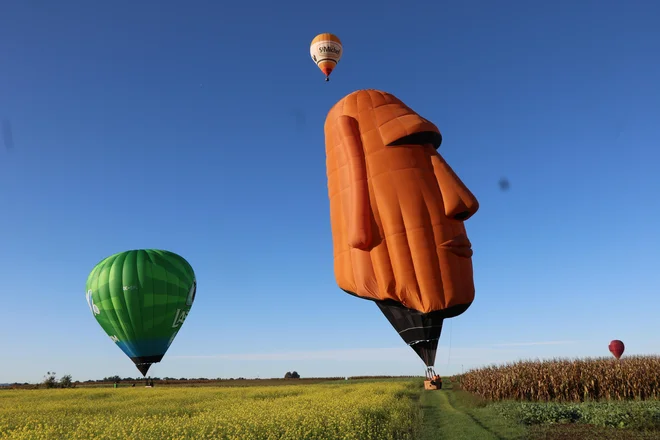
{"x": 426, "y": 350}
{"x": 145, "y": 362}
{"x": 144, "y": 368}
{"x": 421, "y": 331}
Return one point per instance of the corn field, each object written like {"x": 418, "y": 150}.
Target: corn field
{"x": 634, "y": 377}
{"x": 362, "y": 411}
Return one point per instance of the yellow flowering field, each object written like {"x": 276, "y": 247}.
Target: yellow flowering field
{"x": 356, "y": 411}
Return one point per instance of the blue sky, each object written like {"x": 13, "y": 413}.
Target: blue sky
{"x": 198, "y": 128}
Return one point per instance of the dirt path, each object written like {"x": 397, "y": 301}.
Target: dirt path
{"x": 444, "y": 421}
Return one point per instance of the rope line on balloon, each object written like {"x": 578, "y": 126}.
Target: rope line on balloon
{"x": 451, "y": 324}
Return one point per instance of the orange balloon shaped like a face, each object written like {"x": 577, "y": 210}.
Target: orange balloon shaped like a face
{"x": 396, "y": 207}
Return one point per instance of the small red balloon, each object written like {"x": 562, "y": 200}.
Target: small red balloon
{"x": 616, "y": 348}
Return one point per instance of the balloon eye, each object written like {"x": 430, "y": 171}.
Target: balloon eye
{"x": 420, "y": 138}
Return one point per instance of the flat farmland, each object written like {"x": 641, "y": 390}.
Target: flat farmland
{"x": 589, "y": 399}
{"x": 363, "y": 410}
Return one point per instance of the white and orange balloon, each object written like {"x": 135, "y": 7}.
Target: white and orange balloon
{"x": 326, "y": 51}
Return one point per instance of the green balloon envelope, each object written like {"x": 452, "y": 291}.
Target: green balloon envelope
{"x": 141, "y": 298}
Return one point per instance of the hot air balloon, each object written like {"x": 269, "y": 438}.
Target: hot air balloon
{"x": 616, "y": 348}
{"x": 141, "y": 298}
{"x": 326, "y": 50}
{"x": 397, "y": 211}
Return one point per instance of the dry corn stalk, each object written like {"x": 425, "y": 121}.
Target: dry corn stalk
{"x": 564, "y": 380}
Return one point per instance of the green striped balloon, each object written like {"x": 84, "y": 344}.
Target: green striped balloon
{"x": 141, "y": 298}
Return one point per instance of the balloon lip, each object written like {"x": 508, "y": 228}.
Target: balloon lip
{"x": 459, "y": 245}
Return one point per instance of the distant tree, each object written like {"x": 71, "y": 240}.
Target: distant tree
{"x": 65, "y": 381}
{"x": 183, "y": 378}
{"x": 295, "y": 375}
{"x": 287, "y": 375}
{"x": 113, "y": 379}
{"x": 49, "y": 380}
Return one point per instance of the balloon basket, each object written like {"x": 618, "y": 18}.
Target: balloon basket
{"x": 433, "y": 380}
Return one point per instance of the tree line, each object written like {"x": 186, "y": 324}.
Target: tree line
{"x": 50, "y": 379}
